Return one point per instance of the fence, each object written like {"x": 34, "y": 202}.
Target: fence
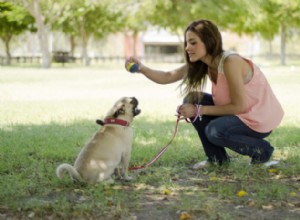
{"x": 65, "y": 58}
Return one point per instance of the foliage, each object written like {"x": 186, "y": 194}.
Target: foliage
{"x": 86, "y": 19}
{"x": 272, "y": 14}
{"x": 14, "y": 20}
{"x": 173, "y": 15}
{"x": 93, "y": 19}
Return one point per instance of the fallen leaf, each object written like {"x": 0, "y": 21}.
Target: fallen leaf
{"x": 267, "y": 207}
{"x": 251, "y": 203}
{"x": 185, "y": 216}
{"x": 167, "y": 192}
{"x": 239, "y": 207}
{"x": 273, "y": 170}
{"x": 242, "y": 193}
{"x": 214, "y": 179}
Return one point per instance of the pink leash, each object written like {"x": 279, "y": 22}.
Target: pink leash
{"x": 197, "y": 112}
{"x": 162, "y": 150}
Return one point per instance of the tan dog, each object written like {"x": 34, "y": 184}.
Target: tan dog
{"x": 110, "y": 146}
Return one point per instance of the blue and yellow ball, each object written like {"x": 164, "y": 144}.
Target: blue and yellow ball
{"x": 133, "y": 67}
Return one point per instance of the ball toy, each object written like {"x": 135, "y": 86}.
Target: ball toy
{"x": 132, "y": 67}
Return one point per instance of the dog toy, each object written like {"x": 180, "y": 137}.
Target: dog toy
{"x": 132, "y": 67}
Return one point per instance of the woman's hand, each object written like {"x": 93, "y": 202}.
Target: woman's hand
{"x": 134, "y": 60}
{"x": 186, "y": 110}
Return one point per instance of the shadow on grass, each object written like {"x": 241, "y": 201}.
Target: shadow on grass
{"x": 30, "y": 154}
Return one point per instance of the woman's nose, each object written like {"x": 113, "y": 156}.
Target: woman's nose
{"x": 187, "y": 47}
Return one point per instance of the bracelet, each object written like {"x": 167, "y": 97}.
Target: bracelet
{"x": 197, "y": 112}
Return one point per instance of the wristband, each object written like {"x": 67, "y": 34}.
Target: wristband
{"x": 197, "y": 112}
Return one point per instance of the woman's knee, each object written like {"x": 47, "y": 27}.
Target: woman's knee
{"x": 214, "y": 134}
{"x": 198, "y": 98}
{"x": 192, "y": 97}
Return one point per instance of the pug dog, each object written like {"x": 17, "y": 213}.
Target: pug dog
{"x": 109, "y": 148}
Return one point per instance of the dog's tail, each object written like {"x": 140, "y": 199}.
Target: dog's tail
{"x": 63, "y": 168}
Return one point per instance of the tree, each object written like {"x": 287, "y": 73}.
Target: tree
{"x": 85, "y": 19}
{"x": 267, "y": 17}
{"x": 45, "y": 12}
{"x": 172, "y": 15}
{"x": 279, "y": 16}
{"x": 14, "y": 20}
{"x": 136, "y": 19}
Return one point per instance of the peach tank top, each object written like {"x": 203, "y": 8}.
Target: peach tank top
{"x": 264, "y": 112}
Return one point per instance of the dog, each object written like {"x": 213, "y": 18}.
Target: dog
{"x": 108, "y": 148}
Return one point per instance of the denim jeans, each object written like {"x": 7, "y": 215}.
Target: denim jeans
{"x": 219, "y": 132}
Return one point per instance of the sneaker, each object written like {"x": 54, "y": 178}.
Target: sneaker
{"x": 271, "y": 163}
{"x": 263, "y": 158}
{"x": 267, "y": 164}
{"x": 201, "y": 165}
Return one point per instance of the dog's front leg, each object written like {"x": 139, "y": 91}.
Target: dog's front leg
{"x": 125, "y": 165}
{"x": 117, "y": 172}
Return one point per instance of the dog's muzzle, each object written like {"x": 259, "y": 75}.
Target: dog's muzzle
{"x": 135, "y": 108}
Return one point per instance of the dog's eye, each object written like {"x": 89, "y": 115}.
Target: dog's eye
{"x": 134, "y": 101}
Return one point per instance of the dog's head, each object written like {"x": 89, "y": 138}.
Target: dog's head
{"x": 125, "y": 108}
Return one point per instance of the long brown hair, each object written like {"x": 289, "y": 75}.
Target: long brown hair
{"x": 210, "y": 35}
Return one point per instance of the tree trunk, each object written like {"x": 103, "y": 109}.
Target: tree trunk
{"x": 85, "y": 55}
{"x": 270, "y": 53}
{"x": 43, "y": 31}
{"x": 7, "y": 49}
{"x": 84, "y": 49}
{"x": 135, "y": 41}
{"x": 282, "y": 44}
{"x": 72, "y": 45}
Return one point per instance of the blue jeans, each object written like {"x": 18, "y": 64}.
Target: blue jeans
{"x": 219, "y": 132}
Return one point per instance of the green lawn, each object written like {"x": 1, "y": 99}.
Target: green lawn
{"x": 46, "y": 116}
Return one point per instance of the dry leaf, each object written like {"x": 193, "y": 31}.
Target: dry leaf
{"x": 167, "y": 192}
{"x": 251, "y": 203}
{"x": 185, "y": 216}
{"x": 242, "y": 193}
{"x": 214, "y": 179}
{"x": 273, "y": 170}
{"x": 267, "y": 207}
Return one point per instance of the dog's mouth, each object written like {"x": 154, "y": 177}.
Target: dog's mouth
{"x": 135, "y": 108}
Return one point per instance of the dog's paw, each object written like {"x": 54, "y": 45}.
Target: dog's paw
{"x": 109, "y": 181}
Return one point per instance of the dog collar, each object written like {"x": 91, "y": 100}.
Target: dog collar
{"x": 116, "y": 121}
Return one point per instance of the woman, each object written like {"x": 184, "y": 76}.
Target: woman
{"x": 242, "y": 109}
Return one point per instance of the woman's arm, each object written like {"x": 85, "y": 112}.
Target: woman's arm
{"x": 158, "y": 76}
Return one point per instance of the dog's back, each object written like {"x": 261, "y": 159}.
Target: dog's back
{"x": 102, "y": 154}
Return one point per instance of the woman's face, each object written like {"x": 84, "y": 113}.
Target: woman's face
{"x": 195, "y": 48}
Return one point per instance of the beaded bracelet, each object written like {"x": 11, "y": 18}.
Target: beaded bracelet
{"x": 197, "y": 112}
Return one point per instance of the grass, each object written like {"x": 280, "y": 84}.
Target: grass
{"x": 46, "y": 116}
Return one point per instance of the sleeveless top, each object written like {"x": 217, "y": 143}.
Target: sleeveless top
{"x": 264, "y": 112}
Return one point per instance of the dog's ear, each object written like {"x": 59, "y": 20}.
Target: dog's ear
{"x": 99, "y": 122}
{"x": 120, "y": 111}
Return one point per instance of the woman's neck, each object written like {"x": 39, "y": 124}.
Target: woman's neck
{"x": 212, "y": 64}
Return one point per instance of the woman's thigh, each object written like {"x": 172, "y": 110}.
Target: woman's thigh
{"x": 231, "y": 126}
